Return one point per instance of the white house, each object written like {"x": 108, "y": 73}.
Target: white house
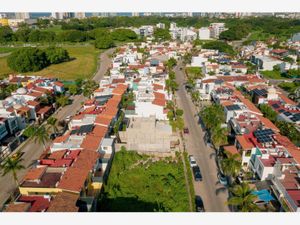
{"x": 204, "y": 33}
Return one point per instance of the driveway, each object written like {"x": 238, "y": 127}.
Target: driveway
{"x": 214, "y": 194}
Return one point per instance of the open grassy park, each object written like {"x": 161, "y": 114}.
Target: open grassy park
{"x": 82, "y": 65}
{"x": 140, "y": 183}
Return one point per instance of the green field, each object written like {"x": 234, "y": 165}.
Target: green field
{"x": 83, "y": 64}
{"x": 270, "y": 74}
{"x": 136, "y": 183}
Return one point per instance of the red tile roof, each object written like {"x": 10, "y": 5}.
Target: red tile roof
{"x": 33, "y": 103}
{"x": 18, "y": 207}
{"x": 292, "y": 149}
{"x": 102, "y": 120}
{"x": 38, "y": 203}
{"x": 58, "y": 154}
{"x": 120, "y": 89}
{"x": 35, "y": 173}
{"x": 75, "y": 176}
{"x": 245, "y": 144}
{"x": 159, "y": 99}
{"x": 268, "y": 123}
{"x": 57, "y": 83}
{"x": 44, "y": 110}
{"x": 231, "y": 149}
{"x": 64, "y": 202}
{"x": 91, "y": 142}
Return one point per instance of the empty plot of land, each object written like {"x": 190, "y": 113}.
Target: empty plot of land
{"x": 140, "y": 183}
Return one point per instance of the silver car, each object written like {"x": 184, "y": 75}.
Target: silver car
{"x": 192, "y": 161}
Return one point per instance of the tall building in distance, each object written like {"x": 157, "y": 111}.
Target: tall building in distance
{"x": 62, "y": 15}
{"x": 23, "y": 15}
{"x": 80, "y": 15}
{"x": 135, "y": 14}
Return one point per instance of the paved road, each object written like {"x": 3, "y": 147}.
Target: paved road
{"x": 213, "y": 194}
{"x": 32, "y": 151}
{"x": 105, "y": 63}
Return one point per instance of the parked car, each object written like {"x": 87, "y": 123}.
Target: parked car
{"x": 68, "y": 118}
{"x": 197, "y": 173}
{"x": 260, "y": 202}
{"x": 192, "y": 161}
{"x": 199, "y": 204}
{"x": 186, "y": 130}
{"x": 222, "y": 179}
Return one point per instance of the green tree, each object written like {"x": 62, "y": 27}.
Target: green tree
{"x": 219, "y": 136}
{"x": 89, "y": 87}
{"x": 73, "y": 89}
{"x": 12, "y": 164}
{"x": 34, "y": 36}
{"x": 57, "y": 55}
{"x": 268, "y": 112}
{"x": 123, "y": 35}
{"x": 41, "y": 135}
{"x": 52, "y": 122}
{"x": 6, "y": 34}
{"x": 212, "y": 116}
{"x": 22, "y": 34}
{"x": 162, "y": 34}
{"x": 104, "y": 42}
{"x": 289, "y": 130}
{"x": 171, "y": 63}
{"x": 62, "y": 101}
{"x": 219, "y": 45}
{"x": 27, "y": 60}
{"x": 231, "y": 165}
{"x": 243, "y": 198}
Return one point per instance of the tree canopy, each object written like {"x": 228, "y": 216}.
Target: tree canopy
{"x": 219, "y": 45}
{"x": 35, "y": 59}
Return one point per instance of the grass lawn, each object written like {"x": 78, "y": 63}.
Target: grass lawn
{"x": 272, "y": 74}
{"x": 136, "y": 187}
{"x": 83, "y": 65}
{"x": 259, "y": 36}
{"x": 4, "y": 69}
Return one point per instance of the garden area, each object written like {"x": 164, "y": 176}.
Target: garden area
{"x": 141, "y": 183}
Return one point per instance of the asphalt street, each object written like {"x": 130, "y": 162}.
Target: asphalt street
{"x": 213, "y": 194}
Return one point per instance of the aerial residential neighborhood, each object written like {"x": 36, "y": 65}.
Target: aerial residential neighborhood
{"x": 150, "y": 112}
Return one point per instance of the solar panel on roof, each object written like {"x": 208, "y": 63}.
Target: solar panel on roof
{"x": 287, "y": 113}
{"x": 233, "y": 107}
{"x": 281, "y": 110}
{"x": 276, "y": 106}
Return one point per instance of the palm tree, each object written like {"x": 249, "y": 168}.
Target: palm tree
{"x": 219, "y": 136}
{"x": 62, "y": 100}
{"x": 41, "y": 135}
{"x": 231, "y": 165}
{"x": 89, "y": 87}
{"x": 243, "y": 198}
{"x": 52, "y": 122}
{"x": 12, "y": 165}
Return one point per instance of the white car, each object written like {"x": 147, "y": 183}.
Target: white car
{"x": 192, "y": 161}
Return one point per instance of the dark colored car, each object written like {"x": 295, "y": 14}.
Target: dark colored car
{"x": 186, "y": 130}
{"x": 197, "y": 173}
{"x": 199, "y": 204}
